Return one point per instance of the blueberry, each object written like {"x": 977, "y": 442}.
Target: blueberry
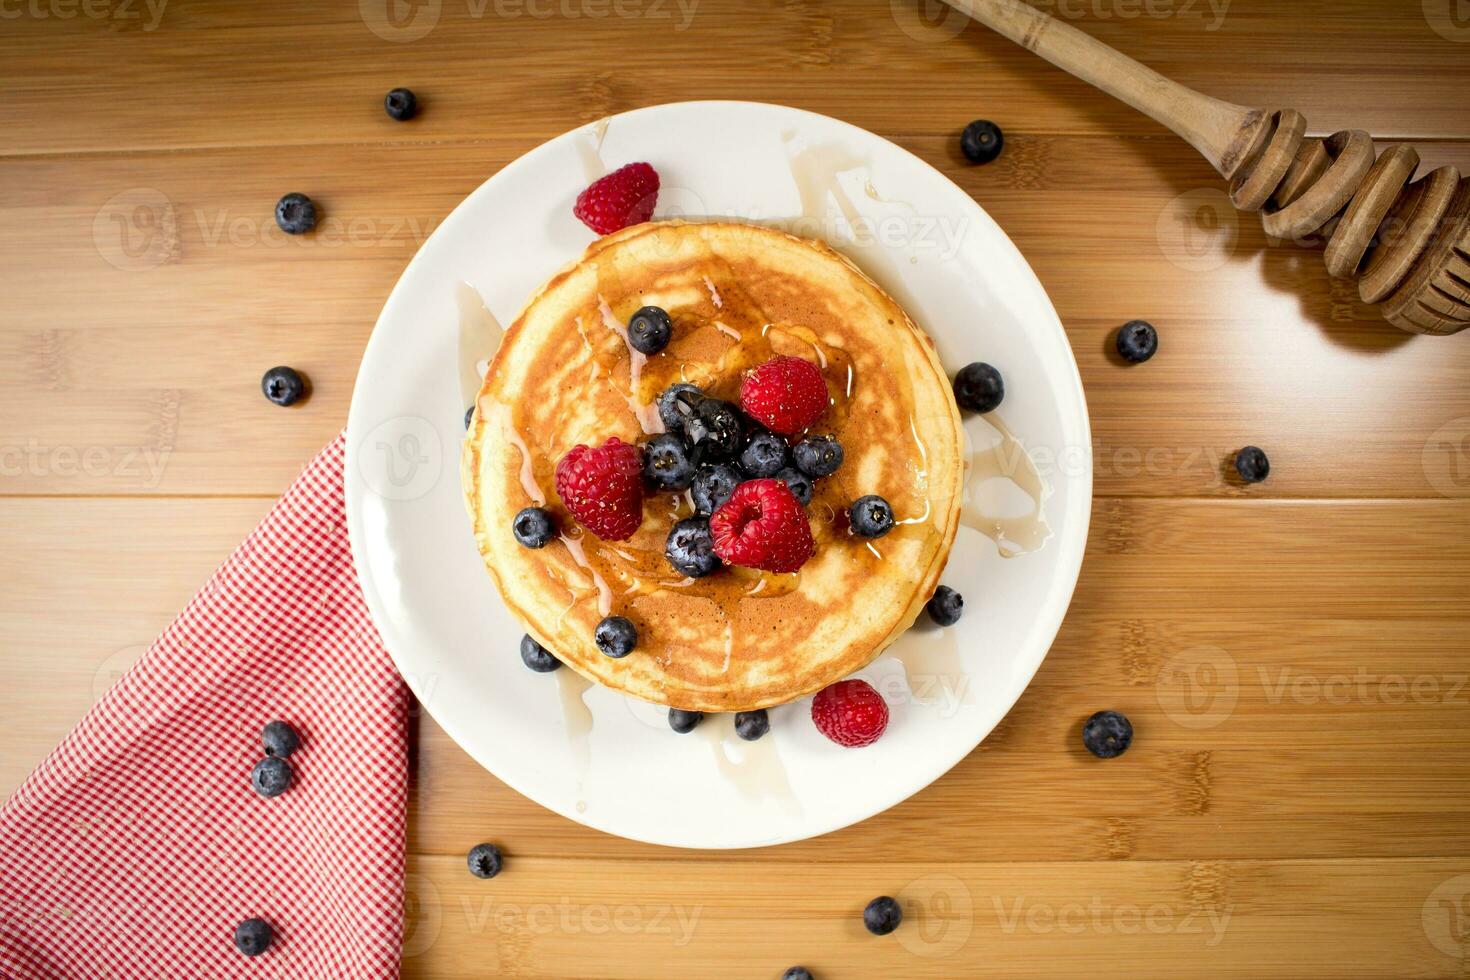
{"x": 401, "y": 104}
{"x": 1107, "y": 734}
{"x": 946, "y": 606}
{"x": 673, "y": 410}
{"x": 533, "y": 527}
{"x": 799, "y": 484}
{"x": 253, "y": 936}
{"x": 271, "y": 776}
{"x": 283, "y": 385}
{"x": 484, "y": 860}
{"x": 295, "y": 214}
{"x": 1252, "y": 465}
{"x": 1137, "y": 341}
{"x": 882, "y": 915}
{"x": 691, "y": 549}
{"x": 649, "y": 330}
{"x": 982, "y": 141}
{"x": 764, "y": 455}
{"x": 817, "y": 456}
{"x": 280, "y": 739}
{"x": 713, "y": 486}
{"x": 751, "y": 725}
{"x": 616, "y": 636}
{"x": 979, "y": 388}
{"x": 871, "y": 516}
{"x": 469, "y": 414}
{"x": 666, "y": 463}
{"x": 683, "y": 721}
{"x": 797, "y": 973}
{"x": 537, "y": 657}
{"x": 713, "y": 431}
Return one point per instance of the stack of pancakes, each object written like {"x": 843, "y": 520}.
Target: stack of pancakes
{"x": 738, "y": 295}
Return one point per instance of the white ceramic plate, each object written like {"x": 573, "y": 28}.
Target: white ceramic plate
{"x": 957, "y": 274}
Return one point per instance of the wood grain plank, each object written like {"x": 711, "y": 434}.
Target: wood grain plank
{"x": 1324, "y": 738}
{"x": 150, "y": 372}
{"x": 671, "y": 918}
{"x": 877, "y": 65}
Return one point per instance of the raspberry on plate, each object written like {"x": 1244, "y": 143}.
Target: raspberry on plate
{"x": 603, "y": 488}
{"x": 622, "y": 198}
{"x": 762, "y": 526}
{"x": 850, "y": 713}
{"x": 786, "y": 394}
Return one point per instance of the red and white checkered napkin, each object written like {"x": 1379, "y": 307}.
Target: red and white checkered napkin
{"x": 138, "y": 845}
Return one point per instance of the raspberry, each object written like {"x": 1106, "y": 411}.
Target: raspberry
{"x": 622, "y": 198}
{"x": 785, "y": 394}
{"x": 762, "y": 526}
{"x": 850, "y": 713}
{"x": 603, "y": 488}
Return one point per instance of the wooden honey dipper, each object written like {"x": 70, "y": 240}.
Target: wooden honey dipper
{"x": 1406, "y": 240}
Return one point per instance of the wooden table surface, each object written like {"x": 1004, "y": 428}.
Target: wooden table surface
{"x": 1294, "y": 656}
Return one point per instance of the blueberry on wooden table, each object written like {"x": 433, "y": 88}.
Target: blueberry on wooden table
{"x": 882, "y": 915}
{"x": 484, "y": 860}
{"x": 981, "y": 141}
{"x": 1137, "y": 341}
{"x": 1107, "y": 734}
{"x": 296, "y": 214}
{"x": 401, "y": 104}
{"x": 1252, "y": 465}
{"x": 283, "y": 385}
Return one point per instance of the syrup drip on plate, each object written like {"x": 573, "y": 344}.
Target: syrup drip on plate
{"x": 1007, "y": 459}
{"x": 589, "y": 148}
{"x": 756, "y": 770}
{"x": 479, "y": 338}
{"x": 576, "y": 717}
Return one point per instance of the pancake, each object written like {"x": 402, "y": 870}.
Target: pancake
{"x": 739, "y": 639}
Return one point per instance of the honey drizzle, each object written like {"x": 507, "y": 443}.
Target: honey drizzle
{"x": 647, "y": 415}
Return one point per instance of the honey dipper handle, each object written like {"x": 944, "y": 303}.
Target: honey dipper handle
{"x": 1224, "y": 133}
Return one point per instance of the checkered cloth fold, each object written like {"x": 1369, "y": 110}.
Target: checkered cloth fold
{"x": 138, "y": 844}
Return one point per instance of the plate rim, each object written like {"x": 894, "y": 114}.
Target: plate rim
{"x": 1070, "y": 563}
